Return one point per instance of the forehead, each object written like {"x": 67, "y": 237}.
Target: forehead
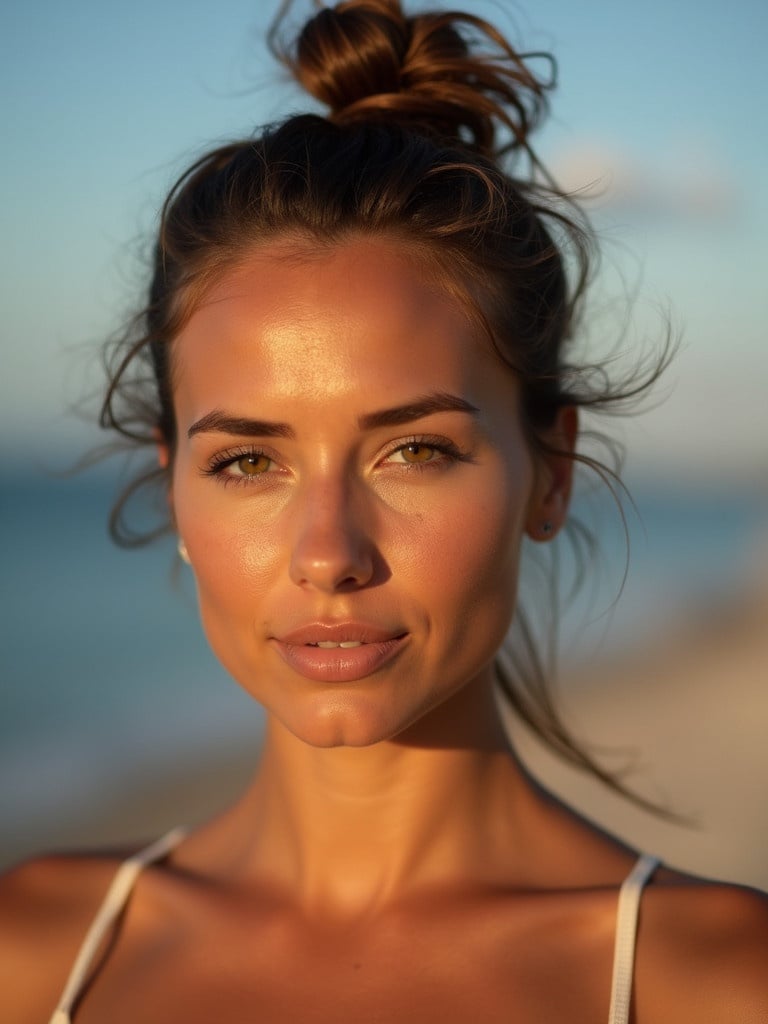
{"x": 364, "y": 316}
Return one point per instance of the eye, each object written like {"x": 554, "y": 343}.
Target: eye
{"x": 240, "y": 466}
{"x": 416, "y": 453}
{"x": 425, "y": 453}
{"x": 251, "y": 465}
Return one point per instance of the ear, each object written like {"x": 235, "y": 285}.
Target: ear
{"x": 163, "y": 451}
{"x": 548, "y": 507}
{"x": 162, "y": 448}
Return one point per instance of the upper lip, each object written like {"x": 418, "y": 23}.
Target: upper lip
{"x": 318, "y": 632}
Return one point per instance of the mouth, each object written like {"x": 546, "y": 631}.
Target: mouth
{"x": 328, "y": 645}
{"x": 339, "y": 652}
{"x": 346, "y": 635}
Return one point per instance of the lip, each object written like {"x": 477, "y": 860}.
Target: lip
{"x": 320, "y": 632}
{"x": 339, "y": 664}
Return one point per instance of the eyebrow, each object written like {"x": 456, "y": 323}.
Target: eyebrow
{"x": 427, "y": 405}
{"x": 221, "y": 422}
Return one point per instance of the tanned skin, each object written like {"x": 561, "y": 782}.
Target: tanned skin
{"x": 391, "y": 861}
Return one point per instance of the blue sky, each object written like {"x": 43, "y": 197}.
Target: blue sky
{"x": 106, "y": 102}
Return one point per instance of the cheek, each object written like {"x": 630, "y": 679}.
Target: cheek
{"x": 235, "y": 564}
{"x": 490, "y": 560}
{"x": 233, "y": 542}
{"x": 488, "y": 556}
{"x": 468, "y": 557}
{"x": 234, "y": 560}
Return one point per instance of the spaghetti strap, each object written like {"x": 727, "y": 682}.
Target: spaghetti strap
{"x": 626, "y": 932}
{"x": 125, "y": 879}
{"x": 113, "y": 905}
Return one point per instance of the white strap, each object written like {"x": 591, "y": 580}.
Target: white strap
{"x": 626, "y": 932}
{"x": 111, "y": 908}
{"x": 125, "y": 879}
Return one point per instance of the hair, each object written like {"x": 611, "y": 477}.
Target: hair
{"x": 426, "y": 141}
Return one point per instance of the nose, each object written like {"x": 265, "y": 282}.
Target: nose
{"x": 331, "y": 551}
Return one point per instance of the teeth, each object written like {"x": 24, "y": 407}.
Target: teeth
{"x": 328, "y": 644}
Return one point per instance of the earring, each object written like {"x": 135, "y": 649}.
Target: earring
{"x": 546, "y": 527}
{"x": 183, "y": 553}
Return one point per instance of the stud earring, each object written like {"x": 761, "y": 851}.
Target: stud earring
{"x": 183, "y": 553}
{"x": 546, "y": 527}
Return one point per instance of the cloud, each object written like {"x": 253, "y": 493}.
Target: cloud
{"x": 686, "y": 182}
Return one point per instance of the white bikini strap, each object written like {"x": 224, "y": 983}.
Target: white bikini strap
{"x": 111, "y": 908}
{"x": 626, "y": 932}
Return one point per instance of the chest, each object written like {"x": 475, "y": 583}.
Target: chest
{"x": 499, "y": 960}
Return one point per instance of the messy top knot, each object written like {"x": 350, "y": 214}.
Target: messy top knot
{"x": 450, "y": 74}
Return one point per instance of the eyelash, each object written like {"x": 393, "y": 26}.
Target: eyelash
{"x": 448, "y": 451}
{"x": 220, "y": 462}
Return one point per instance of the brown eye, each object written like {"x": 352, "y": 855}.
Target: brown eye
{"x": 415, "y": 453}
{"x": 253, "y": 465}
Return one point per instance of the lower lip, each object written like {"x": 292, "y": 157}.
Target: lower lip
{"x": 339, "y": 664}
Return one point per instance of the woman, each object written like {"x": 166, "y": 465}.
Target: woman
{"x": 361, "y": 409}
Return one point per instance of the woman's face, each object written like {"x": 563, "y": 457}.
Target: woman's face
{"x": 352, "y": 484}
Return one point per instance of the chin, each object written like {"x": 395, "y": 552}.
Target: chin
{"x": 346, "y": 720}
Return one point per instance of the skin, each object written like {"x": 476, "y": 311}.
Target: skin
{"x": 391, "y": 861}
{"x": 338, "y": 526}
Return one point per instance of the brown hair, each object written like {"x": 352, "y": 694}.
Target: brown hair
{"x": 427, "y": 140}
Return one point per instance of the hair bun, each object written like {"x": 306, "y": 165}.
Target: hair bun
{"x": 445, "y": 73}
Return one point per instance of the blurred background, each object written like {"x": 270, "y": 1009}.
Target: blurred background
{"x": 115, "y": 720}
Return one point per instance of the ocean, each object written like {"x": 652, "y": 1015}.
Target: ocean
{"x": 106, "y": 679}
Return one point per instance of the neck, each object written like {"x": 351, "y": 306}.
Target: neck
{"x": 355, "y": 828}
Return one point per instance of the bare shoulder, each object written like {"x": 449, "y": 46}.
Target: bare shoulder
{"x": 702, "y": 952}
{"x": 46, "y": 907}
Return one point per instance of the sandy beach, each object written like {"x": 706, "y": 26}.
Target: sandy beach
{"x": 686, "y": 716}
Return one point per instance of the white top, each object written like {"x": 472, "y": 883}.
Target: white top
{"x": 122, "y": 885}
